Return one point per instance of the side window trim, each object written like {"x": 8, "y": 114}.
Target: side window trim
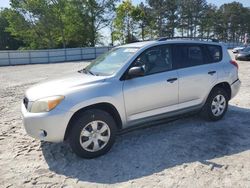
{"x": 206, "y": 55}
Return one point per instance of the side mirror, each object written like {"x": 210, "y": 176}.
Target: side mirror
{"x": 136, "y": 72}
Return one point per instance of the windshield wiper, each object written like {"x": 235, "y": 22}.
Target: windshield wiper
{"x": 87, "y": 71}
{"x": 91, "y": 72}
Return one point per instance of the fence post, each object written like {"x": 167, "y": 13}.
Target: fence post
{"x": 95, "y": 53}
{"x": 29, "y": 57}
{"x": 9, "y": 58}
{"x": 48, "y": 56}
{"x": 65, "y": 54}
{"x": 81, "y": 53}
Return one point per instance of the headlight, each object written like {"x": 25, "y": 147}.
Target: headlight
{"x": 46, "y": 104}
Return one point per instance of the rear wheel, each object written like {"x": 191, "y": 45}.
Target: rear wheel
{"x": 93, "y": 133}
{"x": 216, "y": 104}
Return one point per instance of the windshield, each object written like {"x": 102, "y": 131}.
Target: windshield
{"x": 110, "y": 62}
{"x": 247, "y": 49}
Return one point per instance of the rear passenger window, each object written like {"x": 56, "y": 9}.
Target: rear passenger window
{"x": 188, "y": 55}
{"x": 215, "y": 53}
{"x": 195, "y": 56}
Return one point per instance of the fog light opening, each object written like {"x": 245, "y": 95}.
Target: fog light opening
{"x": 43, "y": 133}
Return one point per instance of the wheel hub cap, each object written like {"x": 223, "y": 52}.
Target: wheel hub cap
{"x": 218, "y": 105}
{"x": 94, "y": 136}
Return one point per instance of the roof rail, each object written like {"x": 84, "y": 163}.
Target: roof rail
{"x": 190, "y": 38}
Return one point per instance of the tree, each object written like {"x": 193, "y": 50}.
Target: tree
{"x": 190, "y": 12}
{"x": 37, "y": 24}
{"x": 125, "y": 22}
{"x": 145, "y": 21}
{"x": 158, "y": 11}
{"x": 172, "y": 17}
{"x": 139, "y": 15}
{"x": 209, "y": 17}
{"x": 7, "y": 41}
{"x": 100, "y": 16}
{"x": 233, "y": 15}
{"x": 59, "y": 23}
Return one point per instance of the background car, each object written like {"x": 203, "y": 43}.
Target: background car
{"x": 243, "y": 54}
{"x": 238, "y": 49}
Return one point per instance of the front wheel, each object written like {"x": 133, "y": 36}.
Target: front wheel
{"x": 93, "y": 133}
{"x": 216, "y": 105}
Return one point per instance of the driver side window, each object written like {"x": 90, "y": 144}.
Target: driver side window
{"x": 155, "y": 60}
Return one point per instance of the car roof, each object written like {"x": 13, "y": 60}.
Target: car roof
{"x": 240, "y": 47}
{"x": 170, "y": 41}
{"x": 138, "y": 44}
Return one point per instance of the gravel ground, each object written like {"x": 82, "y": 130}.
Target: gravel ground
{"x": 188, "y": 152}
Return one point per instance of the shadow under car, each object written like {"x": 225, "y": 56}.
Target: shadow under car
{"x": 154, "y": 149}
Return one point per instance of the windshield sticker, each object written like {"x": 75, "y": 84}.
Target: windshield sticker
{"x": 130, "y": 50}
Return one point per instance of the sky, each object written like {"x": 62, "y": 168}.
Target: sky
{"x": 4, "y": 3}
{"x": 245, "y": 3}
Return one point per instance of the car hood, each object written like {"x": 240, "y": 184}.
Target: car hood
{"x": 238, "y": 48}
{"x": 61, "y": 86}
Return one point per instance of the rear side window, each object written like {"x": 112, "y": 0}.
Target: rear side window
{"x": 195, "y": 56}
{"x": 189, "y": 55}
{"x": 215, "y": 53}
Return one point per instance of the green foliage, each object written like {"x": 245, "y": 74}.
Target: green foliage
{"x": 7, "y": 41}
{"x": 164, "y": 14}
{"x": 234, "y": 19}
{"x": 37, "y": 24}
{"x": 58, "y": 23}
{"x": 124, "y": 22}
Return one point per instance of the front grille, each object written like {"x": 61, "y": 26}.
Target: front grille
{"x": 25, "y": 102}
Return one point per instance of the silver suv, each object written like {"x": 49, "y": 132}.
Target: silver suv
{"x": 131, "y": 85}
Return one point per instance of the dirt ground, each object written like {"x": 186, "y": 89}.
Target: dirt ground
{"x": 188, "y": 152}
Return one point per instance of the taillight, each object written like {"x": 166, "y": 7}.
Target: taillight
{"x": 234, "y": 63}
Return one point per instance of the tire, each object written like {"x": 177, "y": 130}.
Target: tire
{"x": 214, "y": 108}
{"x": 92, "y": 134}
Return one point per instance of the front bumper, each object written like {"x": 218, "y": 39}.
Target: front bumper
{"x": 48, "y": 126}
{"x": 235, "y": 87}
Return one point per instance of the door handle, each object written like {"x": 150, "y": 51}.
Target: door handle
{"x": 171, "y": 80}
{"x": 211, "y": 72}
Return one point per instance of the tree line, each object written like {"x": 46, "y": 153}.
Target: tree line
{"x": 40, "y": 24}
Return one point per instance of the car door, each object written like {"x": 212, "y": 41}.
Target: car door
{"x": 157, "y": 91}
{"x": 196, "y": 74}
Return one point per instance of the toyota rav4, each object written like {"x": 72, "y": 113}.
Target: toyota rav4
{"x": 130, "y": 85}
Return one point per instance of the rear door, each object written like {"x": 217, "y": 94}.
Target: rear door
{"x": 197, "y": 74}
